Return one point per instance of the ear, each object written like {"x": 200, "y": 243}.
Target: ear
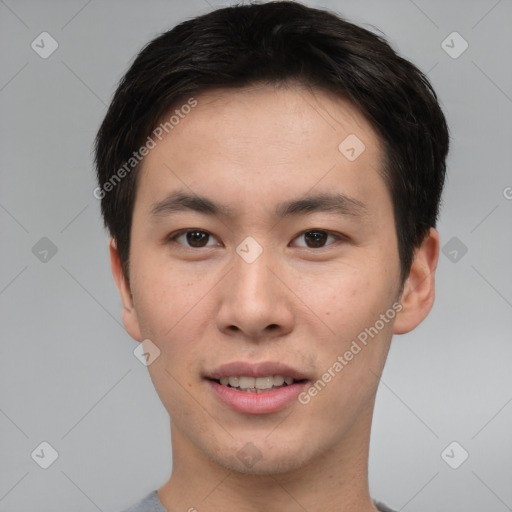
{"x": 419, "y": 288}
{"x": 130, "y": 320}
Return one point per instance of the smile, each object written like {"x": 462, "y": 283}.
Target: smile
{"x": 262, "y": 387}
{"x": 256, "y": 384}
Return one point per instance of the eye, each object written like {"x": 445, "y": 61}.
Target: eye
{"x": 317, "y": 238}
{"x": 191, "y": 238}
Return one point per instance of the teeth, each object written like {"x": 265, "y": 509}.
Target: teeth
{"x": 253, "y": 384}
{"x": 264, "y": 382}
{"x": 247, "y": 382}
{"x": 278, "y": 380}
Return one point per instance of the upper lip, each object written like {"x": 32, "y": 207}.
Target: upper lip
{"x": 261, "y": 369}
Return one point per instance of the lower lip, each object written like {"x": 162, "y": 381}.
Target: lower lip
{"x": 258, "y": 403}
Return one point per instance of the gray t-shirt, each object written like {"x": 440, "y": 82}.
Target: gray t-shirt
{"x": 151, "y": 503}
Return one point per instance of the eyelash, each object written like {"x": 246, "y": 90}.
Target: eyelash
{"x": 337, "y": 236}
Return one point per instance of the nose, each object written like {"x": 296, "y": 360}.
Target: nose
{"x": 255, "y": 301}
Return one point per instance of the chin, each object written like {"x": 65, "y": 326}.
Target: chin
{"x": 266, "y": 466}
{"x": 262, "y": 457}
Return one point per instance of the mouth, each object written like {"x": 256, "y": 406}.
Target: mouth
{"x": 261, "y": 388}
{"x": 257, "y": 384}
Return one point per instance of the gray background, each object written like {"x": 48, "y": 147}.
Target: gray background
{"x": 68, "y": 375}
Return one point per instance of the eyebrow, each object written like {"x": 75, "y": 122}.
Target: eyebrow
{"x": 336, "y": 203}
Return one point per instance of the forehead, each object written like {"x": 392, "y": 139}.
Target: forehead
{"x": 285, "y": 118}
{"x": 252, "y": 145}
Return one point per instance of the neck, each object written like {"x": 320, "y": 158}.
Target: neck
{"x": 336, "y": 481}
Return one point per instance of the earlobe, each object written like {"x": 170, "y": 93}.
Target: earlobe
{"x": 419, "y": 288}
{"x": 130, "y": 319}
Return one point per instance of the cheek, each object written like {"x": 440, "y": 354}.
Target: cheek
{"x": 349, "y": 300}
{"x": 351, "y": 310}
{"x": 162, "y": 297}
{"x": 173, "y": 310}
{"x": 173, "y": 373}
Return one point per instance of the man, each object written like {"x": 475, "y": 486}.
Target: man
{"x": 270, "y": 176}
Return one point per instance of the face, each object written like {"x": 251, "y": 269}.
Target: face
{"x": 287, "y": 263}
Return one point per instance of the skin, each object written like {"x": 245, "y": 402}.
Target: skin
{"x": 251, "y": 149}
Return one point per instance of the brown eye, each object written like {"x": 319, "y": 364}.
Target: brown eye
{"x": 192, "y": 238}
{"x": 197, "y": 238}
{"x": 316, "y": 238}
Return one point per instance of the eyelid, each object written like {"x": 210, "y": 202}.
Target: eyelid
{"x": 339, "y": 237}
{"x": 175, "y": 234}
